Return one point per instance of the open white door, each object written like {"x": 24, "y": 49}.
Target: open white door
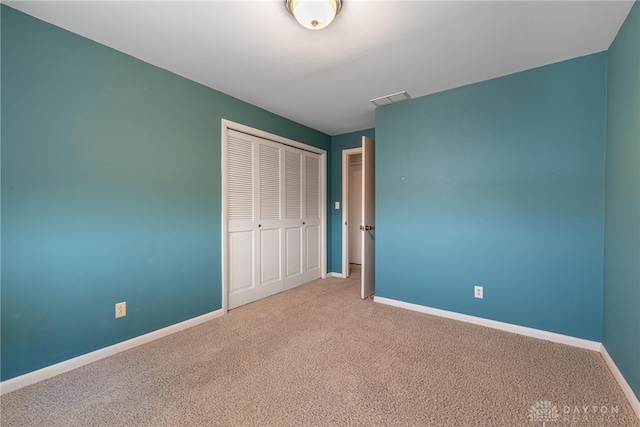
{"x": 367, "y": 226}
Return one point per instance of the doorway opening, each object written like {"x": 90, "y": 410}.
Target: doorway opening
{"x": 351, "y": 209}
{"x": 358, "y": 214}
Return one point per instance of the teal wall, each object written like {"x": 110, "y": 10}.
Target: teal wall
{"x": 338, "y": 144}
{"x": 621, "y": 315}
{"x": 500, "y": 184}
{"x": 110, "y": 192}
{"x": 110, "y": 175}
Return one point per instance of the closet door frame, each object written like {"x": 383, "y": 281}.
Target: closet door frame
{"x": 227, "y": 125}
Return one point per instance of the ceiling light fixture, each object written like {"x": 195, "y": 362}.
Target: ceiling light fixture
{"x": 314, "y": 14}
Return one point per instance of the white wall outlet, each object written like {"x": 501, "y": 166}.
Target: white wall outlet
{"x": 477, "y": 291}
{"x": 337, "y": 205}
{"x": 121, "y": 309}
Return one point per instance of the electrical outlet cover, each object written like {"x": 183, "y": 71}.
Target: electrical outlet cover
{"x": 121, "y": 309}
{"x": 478, "y": 292}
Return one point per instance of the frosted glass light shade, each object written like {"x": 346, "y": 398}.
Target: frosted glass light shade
{"x": 314, "y": 14}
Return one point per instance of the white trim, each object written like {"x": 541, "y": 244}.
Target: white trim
{"x": 345, "y": 207}
{"x": 323, "y": 214}
{"x": 224, "y": 215}
{"x": 16, "y": 383}
{"x": 338, "y": 275}
{"x": 624, "y": 385}
{"x": 226, "y": 125}
{"x": 508, "y": 327}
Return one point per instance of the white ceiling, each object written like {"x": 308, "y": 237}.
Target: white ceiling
{"x": 257, "y": 52}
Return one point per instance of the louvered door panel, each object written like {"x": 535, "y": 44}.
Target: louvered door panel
{"x": 293, "y": 238}
{"x": 240, "y": 179}
{"x": 293, "y": 185}
{"x": 240, "y": 209}
{"x": 269, "y": 183}
{"x": 311, "y": 235}
{"x": 312, "y": 184}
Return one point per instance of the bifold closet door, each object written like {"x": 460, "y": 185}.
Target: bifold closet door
{"x": 302, "y": 217}
{"x": 311, "y": 223}
{"x": 273, "y": 200}
{"x": 254, "y": 224}
{"x": 269, "y": 236}
{"x": 294, "y": 242}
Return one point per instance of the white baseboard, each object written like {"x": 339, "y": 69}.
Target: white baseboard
{"x": 338, "y": 275}
{"x": 624, "y": 385}
{"x": 522, "y": 330}
{"x": 16, "y": 383}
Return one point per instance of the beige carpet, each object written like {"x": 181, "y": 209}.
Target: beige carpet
{"x": 318, "y": 355}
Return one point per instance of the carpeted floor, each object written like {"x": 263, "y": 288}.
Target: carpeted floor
{"x": 318, "y": 355}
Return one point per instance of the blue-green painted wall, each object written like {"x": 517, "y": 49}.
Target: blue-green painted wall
{"x": 110, "y": 192}
{"x": 621, "y": 315}
{"x": 338, "y": 144}
{"x": 499, "y": 184}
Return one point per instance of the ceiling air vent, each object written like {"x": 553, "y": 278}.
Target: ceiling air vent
{"x": 391, "y": 99}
